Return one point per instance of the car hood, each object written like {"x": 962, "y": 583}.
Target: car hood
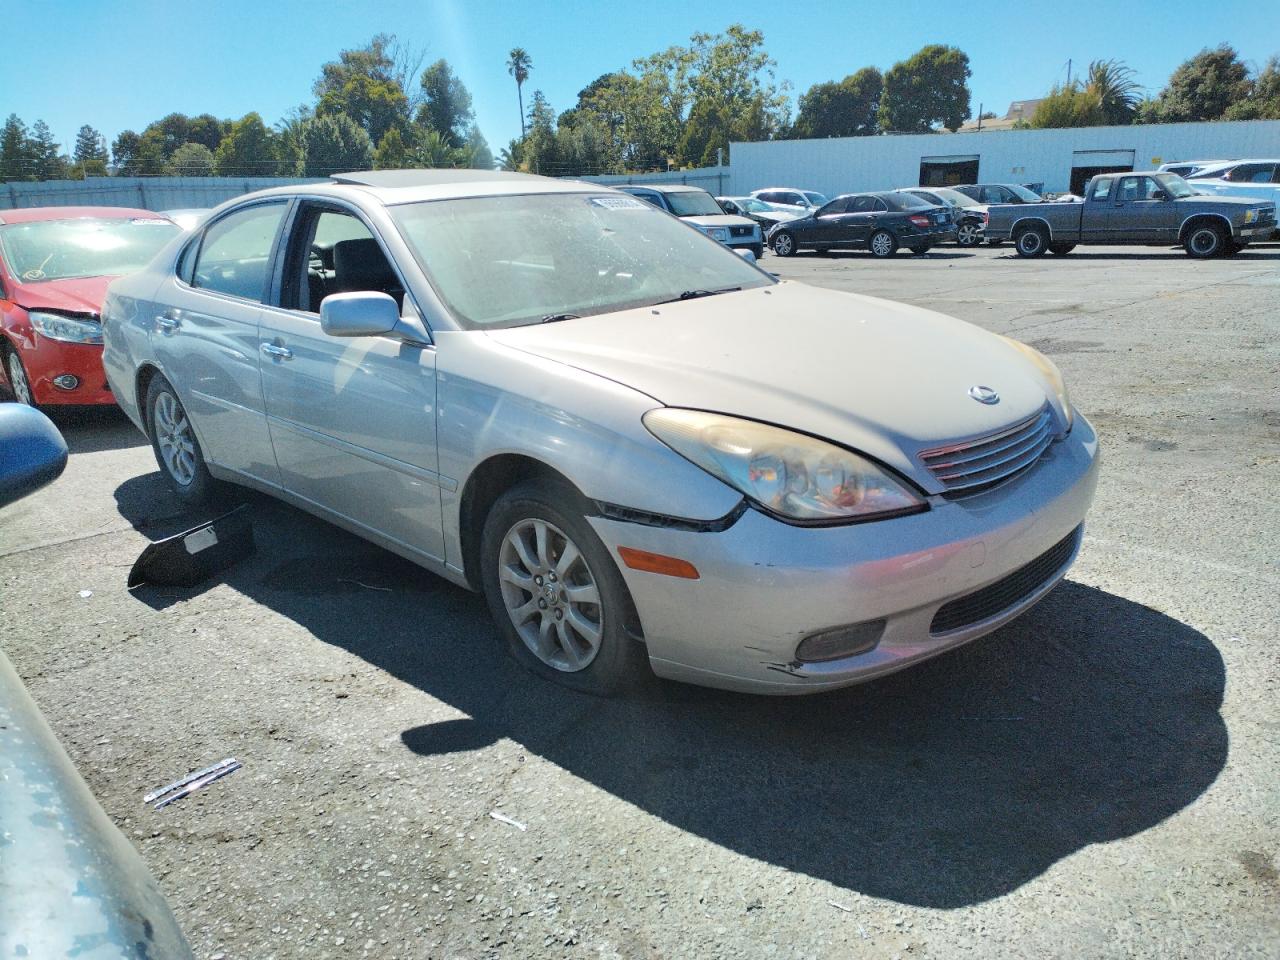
{"x": 881, "y": 377}
{"x": 1230, "y": 200}
{"x": 78, "y": 295}
{"x": 723, "y": 220}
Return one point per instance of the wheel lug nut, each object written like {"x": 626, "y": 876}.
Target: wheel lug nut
{"x": 551, "y": 577}
{"x": 538, "y": 580}
{"x": 542, "y": 604}
{"x": 559, "y": 614}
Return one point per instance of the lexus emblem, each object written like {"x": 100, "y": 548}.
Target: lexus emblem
{"x": 984, "y": 395}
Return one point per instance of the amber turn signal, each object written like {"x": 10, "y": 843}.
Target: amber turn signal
{"x": 658, "y": 563}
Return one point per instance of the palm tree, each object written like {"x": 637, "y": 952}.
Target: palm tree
{"x": 1111, "y": 83}
{"x": 518, "y": 65}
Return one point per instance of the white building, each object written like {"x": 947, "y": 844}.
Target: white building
{"x": 1059, "y": 160}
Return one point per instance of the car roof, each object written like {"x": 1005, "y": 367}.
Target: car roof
{"x": 394, "y": 187}
{"x": 662, "y": 187}
{"x": 37, "y": 214}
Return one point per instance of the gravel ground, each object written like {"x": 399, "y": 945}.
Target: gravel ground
{"x": 1100, "y": 778}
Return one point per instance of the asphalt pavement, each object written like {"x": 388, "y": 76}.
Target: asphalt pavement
{"x": 1101, "y": 778}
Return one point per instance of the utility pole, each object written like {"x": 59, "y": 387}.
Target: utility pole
{"x": 979, "y": 116}
{"x": 1068, "y": 73}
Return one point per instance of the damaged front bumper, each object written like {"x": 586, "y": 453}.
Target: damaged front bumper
{"x": 765, "y": 586}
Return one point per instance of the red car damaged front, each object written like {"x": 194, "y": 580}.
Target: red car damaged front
{"x": 55, "y": 265}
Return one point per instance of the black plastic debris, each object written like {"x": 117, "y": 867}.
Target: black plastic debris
{"x": 187, "y": 558}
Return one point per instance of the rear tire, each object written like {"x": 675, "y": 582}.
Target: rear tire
{"x": 1205, "y": 240}
{"x": 921, "y": 251}
{"x": 555, "y": 593}
{"x": 1031, "y": 241}
{"x": 883, "y": 244}
{"x": 174, "y": 443}
{"x": 1061, "y": 249}
{"x": 784, "y": 244}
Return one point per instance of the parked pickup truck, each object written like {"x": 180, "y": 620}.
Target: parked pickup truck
{"x": 1139, "y": 208}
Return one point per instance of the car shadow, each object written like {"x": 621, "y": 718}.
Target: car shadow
{"x": 95, "y": 429}
{"x": 1173, "y": 253}
{"x": 1089, "y": 719}
{"x": 932, "y": 254}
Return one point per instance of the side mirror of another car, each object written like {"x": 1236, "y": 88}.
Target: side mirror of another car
{"x": 32, "y": 451}
{"x": 358, "y": 314}
{"x": 1160, "y": 195}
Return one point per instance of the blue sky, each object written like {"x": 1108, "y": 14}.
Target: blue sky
{"x": 122, "y": 64}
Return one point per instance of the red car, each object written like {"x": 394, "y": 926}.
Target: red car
{"x": 55, "y": 264}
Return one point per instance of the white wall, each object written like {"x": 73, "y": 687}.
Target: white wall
{"x": 850, "y": 164}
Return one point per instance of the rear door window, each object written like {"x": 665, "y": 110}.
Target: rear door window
{"x": 235, "y": 252}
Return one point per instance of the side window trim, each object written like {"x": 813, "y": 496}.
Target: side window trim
{"x": 272, "y": 255}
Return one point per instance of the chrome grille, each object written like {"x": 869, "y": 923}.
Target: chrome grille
{"x": 979, "y": 464}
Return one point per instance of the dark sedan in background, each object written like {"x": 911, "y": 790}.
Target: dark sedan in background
{"x": 879, "y": 222}
{"x": 969, "y": 214}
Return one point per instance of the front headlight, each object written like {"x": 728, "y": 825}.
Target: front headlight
{"x": 1050, "y": 372}
{"x": 788, "y": 474}
{"x": 717, "y": 233}
{"x": 1251, "y": 215}
{"x": 67, "y": 329}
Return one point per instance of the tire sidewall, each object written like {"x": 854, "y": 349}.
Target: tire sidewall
{"x": 9, "y": 356}
{"x": 621, "y": 662}
{"x": 889, "y": 251}
{"x": 202, "y": 489}
{"x": 1035, "y": 250}
{"x": 1201, "y": 231}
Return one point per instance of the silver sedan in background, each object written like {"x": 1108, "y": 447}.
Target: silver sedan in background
{"x": 646, "y": 452}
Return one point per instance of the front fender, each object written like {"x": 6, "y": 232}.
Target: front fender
{"x": 493, "y": 399}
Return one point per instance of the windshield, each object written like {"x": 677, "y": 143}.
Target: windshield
{"x": 816, "y": 199}
{"x": 86, "y": 247}
{"x": 1175, "y": 186}
{"x": 955, "y": 197}
{"x": 695, "y": 203}
{"x": 1027, "y": 196}
{"x": 514, "y": 260}
{"x": 752, "y": 205}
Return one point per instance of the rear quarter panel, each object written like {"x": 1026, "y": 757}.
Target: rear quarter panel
{"x": 1063, "y": 219}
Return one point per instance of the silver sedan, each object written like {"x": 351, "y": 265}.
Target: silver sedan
{"x": 648, "y": 454}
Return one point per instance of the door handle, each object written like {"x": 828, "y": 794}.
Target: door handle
{"x": 167, "y": 323}
{"x": 276, "y": 352}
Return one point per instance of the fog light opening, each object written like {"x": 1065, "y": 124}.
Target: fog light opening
{"x": 840, "y": 642}
{"x": 66, "y": 381}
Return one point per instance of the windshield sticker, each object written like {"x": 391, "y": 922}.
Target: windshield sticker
{"x": 151, "y": 221}
{"x": 618, "y": 203}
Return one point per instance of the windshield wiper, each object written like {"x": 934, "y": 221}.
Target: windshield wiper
{"x": 695, "y": 294}
{"x": 555, "y": 317}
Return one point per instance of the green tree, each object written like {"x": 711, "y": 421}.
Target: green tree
{"x": 90, "y": 145}
{"x": 1263, "y": 102}
{"x": 844, "y": 109}
{"x": 539, "y": 144}
{"x": 519, "y": 63}
{"x": 288, "y": 140}
{"x": 208, "y": 130}
{"x": 392, "y": 152}
{"x": 191, "y": 160}
{"x": 334, "y": 143}
{"x": 446, "y": 104}
{"x": 1111, "y": 83}
{"x": 930, "y": 89}
{"x": 47, "y": 161}
{"x": 248, "y": 150}
{"x": 363, "y": 84}
{"x": 158, "y": 142}
{"x": 1070, "y": 106}
{"x": 511, "y": 157}
{"x": 124, "y": 148}
{"x": 479, "y": 155}
{"x": 16, "y": 159}
{"x": 1203, "y": 88}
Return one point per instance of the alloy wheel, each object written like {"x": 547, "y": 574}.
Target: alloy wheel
{"x": 782, "y": 245}
{"x": 551, "y": 595}
{"x": 881, "y": 245}
{"x": 174, "y": 437}
{"x": 968, "y": 236}
{"x": 18, "y": 380}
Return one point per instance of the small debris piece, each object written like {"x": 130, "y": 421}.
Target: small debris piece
{"x": 86, "y": 594}
{"x": 367, "y": 586}
{"x": 195, "y": 785}
{"x": 840, "y": 906}
{"x": 502, "y": 818}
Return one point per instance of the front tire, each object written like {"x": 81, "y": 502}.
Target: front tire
{"x": 784, "y": 244}
{"x": 176, "y": 448}
{"x": 1204, "y": 240}
{"x": 1031, "y": 241}
{"x": 883, "y": 244}
{"x": 17, "y": 374}
{"x": 555, "y": 593}
{"x": 969, "y": 234}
